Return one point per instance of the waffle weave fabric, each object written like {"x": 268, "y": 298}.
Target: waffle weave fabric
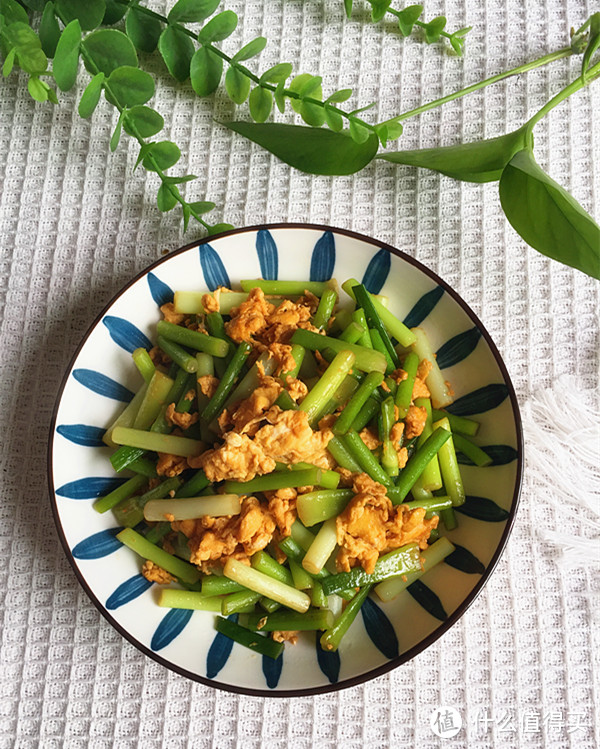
{"x": 76, "y": 223}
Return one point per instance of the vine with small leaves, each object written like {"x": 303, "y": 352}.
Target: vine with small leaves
{"x": 410, "y": 17}
{"x": 71, "y": 31}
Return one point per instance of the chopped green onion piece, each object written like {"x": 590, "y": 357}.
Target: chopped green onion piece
{"x": 252, "y": 640}
{"x": 184, "y": 571}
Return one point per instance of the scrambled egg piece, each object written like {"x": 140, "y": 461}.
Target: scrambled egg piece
{"x": 288, "y": 438}
{"x": 282, "y": 506}
{"x": 415, "y": 421}
{"x": 396, "y": 436}
{"x": 156, "y": 574}
{"x": 170, "y": 465}
{"x": 296, "y": 388}
{"x": 369, "y": 438}
{"x": 183, "y": 420}
{"x": 370, "y": 525}
{"x": 398, "y": 375}
{"x": 290, "y": 636}
{"x": 250, "y": 318}
{"x": 260, "y": 323}
{"x": 159, "y": 357}
{"x": 212, "y": 539}
{"x": 282, "y": 352}
{"x": 208, "y": 384}
{"x": 250, "y": 411}
{"x": 239, "y": 459}
{"x": 170, "y": 315}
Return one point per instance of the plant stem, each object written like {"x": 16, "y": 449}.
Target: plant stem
{"x": 540, "y": 62}
{"x": 142, "y": 141}
{"x": 288, "y": 93}
{"x": 572, "y": 88}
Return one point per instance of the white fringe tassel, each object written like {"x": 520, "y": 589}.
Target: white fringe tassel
{"x": 562, "y": 436}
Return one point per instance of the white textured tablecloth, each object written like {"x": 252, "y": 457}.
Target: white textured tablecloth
{"x": 76, "y": 223}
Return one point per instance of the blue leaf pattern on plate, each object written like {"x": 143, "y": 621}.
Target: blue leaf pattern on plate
{"x": 161, "y": 292}
{"x": 82, "y": 434}
{"x": 323, "y": 258}
{"x": 219, "y": 652}
{"x": 464, "y": 560}
{"x": 379, "y": 628}
{"x": 103, "y": 385}
{"x": 125, "y": 334}
{"x": 329, "y": 662}
{"x": 127, "y": 591}
{"x": 423, "y": 307}
{"x": 97, "y": 545}
{"x": 427, "y": 599}
{"x": 213, "y": 269}
{"x": 500, "y": 455}
{"x": 267, "y": 255}
{"x": 458, "y": 348}
{"x": 377, "y": 271}
{"x": 171, "y": 625}
{"x": 482, "y": 508}
{"x": 89, "y": 488}
{"x": 483, "y": 399}
{"x": 272, "y": 670}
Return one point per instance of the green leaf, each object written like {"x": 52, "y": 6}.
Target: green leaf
{"x": 168, "y": 180}
{"x": 116, "y": 136}
{"x": 279, "y": 96}
{"x": 52, "y": 95}
{"x": 338, "y": 97}
{"x": 143, "y": 30}
{"x": 13, "y": 12}
{"x": 9, "y": 62}
{"x": 378, "y": 9}
{"x": 49, "y": 32}
{"x": 108, "y": 50}
{"x": 27, "y": 45}
{"x": 593, "y": 44}
{"x": 130, "y": 86}
{"x": 146, "y": 121}
{"x": 113, "y": 13}
{"x": 394, "y": 129}
{"x": 408, "y": 17}
{"x": 218, "y": 28}
{"x": 37, "y": 90}
{"x": 312, "y": 150}
{"x": 202, "y": 206}
{"x": 333, "y": 119}
{"x": 66, "y": 58}
{"x": 457, "y": 39}
{"x": 253, "y": 48}
{"x": 348, "y": 8}
{"x": 177, "y": 50}
{"x": 433, "y": 29}
{"x": 481, "y": 161}
{"x": 277, "y": 74}
{"x": 89, "y": 13}
{"x": 205, "y": 71}
{"x": 91, "y": 96}
{"x": 308, "y": 85}
{"x": 191, "y": 11}
{"x": 382, "y": 134}
{"x": 358, "y": 132}
{"x": 218, "y": 228}
{"x": 547, "y": 216}
{"x": 164, "y": 153}
{"x": 165, "y": 198}
{"x": 260, "y": 103}
{"x": 237, "y": 85}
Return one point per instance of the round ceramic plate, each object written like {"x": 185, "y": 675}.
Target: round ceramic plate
{"x": 102, "y": 378}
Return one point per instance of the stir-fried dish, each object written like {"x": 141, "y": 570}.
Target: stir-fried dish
{"x": 286, "y": 455}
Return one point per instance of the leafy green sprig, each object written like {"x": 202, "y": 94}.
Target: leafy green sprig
{"x": 409, "y": 17}
{"x": 203, "y": 65}
{"x": 544, "y": 214}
